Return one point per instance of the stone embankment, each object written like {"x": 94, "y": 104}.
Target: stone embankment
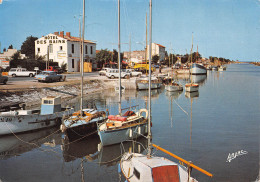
{"x": 31, "y": 92}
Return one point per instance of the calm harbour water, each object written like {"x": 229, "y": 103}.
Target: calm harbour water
{"x": 205, "y": 127}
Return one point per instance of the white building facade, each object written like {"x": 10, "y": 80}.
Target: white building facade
{"x": 64, "y": 48}
{"x": 157, "y": 49}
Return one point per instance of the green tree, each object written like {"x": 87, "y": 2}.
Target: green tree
{"x": 28, "y": 47}
{"x": 155, "y": 59}
{"x": 16, "y": 56}
{"x": 103, "y": 56}
{"x": 64, "y": 67}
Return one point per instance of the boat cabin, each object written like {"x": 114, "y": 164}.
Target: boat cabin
{"x": 50, "y": 105}
{"x": 156, "y": 169}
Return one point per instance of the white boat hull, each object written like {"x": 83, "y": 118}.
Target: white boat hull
{"x": 173, "y": 88}
{"x": 197, "y": 69}
{"x": 145, "y": 86}
{"x": 22, "y": 123}
{"x": 110, "y": 137}
{"x": 138, "y": 167}
{"x": 191, "y": 88}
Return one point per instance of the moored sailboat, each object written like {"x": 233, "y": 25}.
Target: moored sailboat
{"x": 118, "y": 128}
{"x": 83, "y": 122}
{"x": 139, "y": 167}
{"x": 191, "y": 87}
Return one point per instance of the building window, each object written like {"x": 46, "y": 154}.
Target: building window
{"x": 86, "y": 49}
{"x": 72, "y": 62}
{"x": 39, "y": 50}
{"x": 91, "y": 49}
{"x": 60, "y": 48}
{"x": 72, "y": 48}
{"x": 51, "y": 48}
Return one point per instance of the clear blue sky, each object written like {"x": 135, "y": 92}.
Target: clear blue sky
{"x": 221, "y": 28}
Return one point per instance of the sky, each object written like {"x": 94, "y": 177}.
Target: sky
{"x": 221, "y": 28}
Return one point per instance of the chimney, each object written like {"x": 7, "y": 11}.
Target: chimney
{"x": 62, "y": 34}
{"x": 68, "y": 34}
{"x": 56, "y": 33}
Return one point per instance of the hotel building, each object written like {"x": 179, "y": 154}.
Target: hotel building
{"x": 64, "y": 48}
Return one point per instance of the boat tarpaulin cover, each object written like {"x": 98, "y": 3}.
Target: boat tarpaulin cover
{"x": 166, "y": 174}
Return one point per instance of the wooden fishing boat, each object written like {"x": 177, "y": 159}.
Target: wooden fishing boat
{"x": 19, "y": 121}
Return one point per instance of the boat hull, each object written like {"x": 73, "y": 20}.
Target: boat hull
{"x": 23, "y": 123}
{"x": 145, "y": 86}
{"x": 192, "y": 88}
{"x": 197, "y": 69}
{"x": 146, "y": 166}
{"x": 110, "y": 137}
{"x": 84, "y": 129}
{"x": 173, "y": 88}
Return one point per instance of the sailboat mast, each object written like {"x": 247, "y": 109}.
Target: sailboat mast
{"x": 82, "y": 58}
{"x": 150, "y": 55}
{"x": 191, "y": 58}
{"x": 119, "y": 59}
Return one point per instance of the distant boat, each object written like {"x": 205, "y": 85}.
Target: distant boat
{"x": 171, "y": 85}
{"x": 19, "y": 121}
{"x": 222, "y": 68}
{"x": 214, "y": 68}
{"x": 143, "y": 83}
{"x": 197, "y": 69}
{"x": 192, "y": 87}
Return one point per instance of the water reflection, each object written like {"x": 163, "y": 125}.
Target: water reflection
{"x": 191, "y": 94}
{"x": 87, "y": 148}
{"x": 21, "y": 143}
{"x": 173, "y": 95}
{"x": 199, "y": 79}
{"x": 111, "y": 155}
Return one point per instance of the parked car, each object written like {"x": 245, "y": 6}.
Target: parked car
{"x": 114, "y": 73}
{"x": 49, "y": 76}
{"x": 20, "y": 72}
{"x": 3, "y": 79}
{"x": 134, "y": 72}
{"x": 103, "y": 71}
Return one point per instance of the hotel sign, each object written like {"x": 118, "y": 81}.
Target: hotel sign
{"x": 51, "y": 39}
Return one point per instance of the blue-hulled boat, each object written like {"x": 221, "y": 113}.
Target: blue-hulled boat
{"x": 197, "y": 69}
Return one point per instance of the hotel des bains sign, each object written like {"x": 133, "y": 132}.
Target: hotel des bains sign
{"x": 50, "y": 39}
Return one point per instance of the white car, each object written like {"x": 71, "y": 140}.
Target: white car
{"x": 134, "y": 73}
{"x": 20, "y": 72}
{"x": 114, "y": 73}
{"x": 103, "y": 71}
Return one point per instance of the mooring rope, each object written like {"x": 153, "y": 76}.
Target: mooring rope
{"x": 181, "y": 108}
